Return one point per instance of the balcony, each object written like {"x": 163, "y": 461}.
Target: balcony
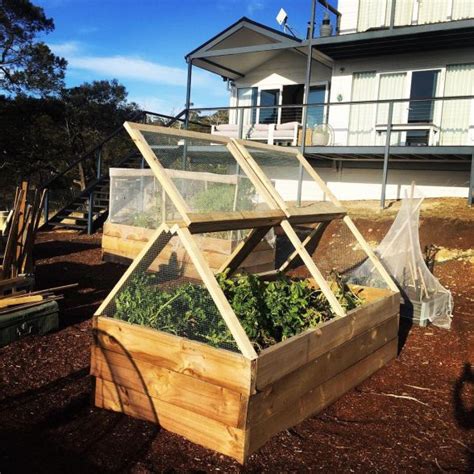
{"x": 382, "y": 27}
{"x": 421, "y": 126}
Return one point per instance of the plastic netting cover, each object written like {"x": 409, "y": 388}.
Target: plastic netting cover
{"x": 401, "y": 254}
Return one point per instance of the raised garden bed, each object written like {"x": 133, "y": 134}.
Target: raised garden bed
{"x": 226, "y": 402}
{"x": 229, "y": 360}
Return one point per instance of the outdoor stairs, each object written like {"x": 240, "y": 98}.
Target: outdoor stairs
{"x": 74, "y": 215}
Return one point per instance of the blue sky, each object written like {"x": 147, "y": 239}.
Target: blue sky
{"x": 142, "y": 43}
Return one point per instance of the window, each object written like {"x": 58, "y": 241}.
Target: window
{"x": 267, "y": 99}
{"x": 247, "y": 97}
{"x": 423, "y": 84}
{"x": 317, "y": 95}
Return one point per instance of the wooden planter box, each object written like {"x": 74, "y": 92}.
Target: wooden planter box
{"x": 122, "y": 243}
{"x": 226, "y": 402}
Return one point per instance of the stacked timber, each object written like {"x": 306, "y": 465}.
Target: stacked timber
{"x": 23, "y": 313}
{"x": 20, "y": 232}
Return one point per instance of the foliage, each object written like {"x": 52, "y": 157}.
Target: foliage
{"x": 27, "y": 65}
{"x": 41, "y": 136}
{"x": 269, "y": 312}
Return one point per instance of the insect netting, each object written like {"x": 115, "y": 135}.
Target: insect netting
{"x": 400, "y": 253}
{"x": 332, "y": 245}
{"x": 239, "y": 263}
{"x": 166, "y": 292}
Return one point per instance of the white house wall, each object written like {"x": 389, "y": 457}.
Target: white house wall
{"x": 365, "y": 184}
{"x": 284, "y": 69}
{"x": 341, "y": 82}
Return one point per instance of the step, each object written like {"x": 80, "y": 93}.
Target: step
{"x": 70, "y": 226}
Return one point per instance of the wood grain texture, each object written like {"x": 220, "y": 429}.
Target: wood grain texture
{"x": 285, "y": 357}
{"x": 320, "y": 397}
{"x": 285, "y": 392}
{"x": 204, "y": 431}
{"x": 220, "y": 367}
{"x": 182, "y": 390}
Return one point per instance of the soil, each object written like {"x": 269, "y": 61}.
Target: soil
{"x": 416, "y": 414}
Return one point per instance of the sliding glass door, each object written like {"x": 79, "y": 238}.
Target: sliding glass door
{"x": 247, "y": 97}
{"x": 269, "y": 98}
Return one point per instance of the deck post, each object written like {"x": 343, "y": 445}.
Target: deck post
{"x": 90, "y": 212}
{"x": 470, "y": 199}
{"x": 386, "y": 155}
{"x": 306, "y": 95}
{"x": 188, "y": 93}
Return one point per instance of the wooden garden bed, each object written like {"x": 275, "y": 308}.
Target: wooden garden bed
{"x": 227, "y": 402}
{"x": 122, "y": 243}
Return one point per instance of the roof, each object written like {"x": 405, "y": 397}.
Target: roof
{"x": 223, "y": 53}
{"x": 242, "y": 21}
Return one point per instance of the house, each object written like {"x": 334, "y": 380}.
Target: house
{"x": 391, "y": 94}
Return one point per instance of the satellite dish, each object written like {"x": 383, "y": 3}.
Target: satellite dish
{"x": 282, "y": 17}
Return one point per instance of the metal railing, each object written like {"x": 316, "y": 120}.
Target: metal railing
{"x": 371, "y": 127}
{"x": 82, "y": 176}
{"x": 426, "y": 121}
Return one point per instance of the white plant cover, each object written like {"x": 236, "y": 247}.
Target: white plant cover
{"x": 401, "y": 254}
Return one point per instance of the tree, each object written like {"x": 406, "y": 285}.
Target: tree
{"x": 27, "y": 65}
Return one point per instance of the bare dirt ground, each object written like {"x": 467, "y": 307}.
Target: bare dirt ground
{"x": 416, "y": 414}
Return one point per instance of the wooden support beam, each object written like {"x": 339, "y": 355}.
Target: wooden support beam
{"x": 312, "y": 268}
{"x": 157, "y": 167}
{"x": 243, "y": 250}
{"x": 348, "y": 221}
{"x": 217, "y": 294}
{"x": 309, "y": 243}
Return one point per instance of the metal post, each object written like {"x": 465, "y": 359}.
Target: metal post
{"x": 392, "y": 14}
{"x": 240, "y": 122}
{"x": 188, "y": 93}
{"x": 470, "y": 199}
{"x": 99, "y": 163}
{"x": 386, "y": 154}
{"x": 90, "y": 210}
{"x": 306, "y": 95}
{"x": 46, "y": 206}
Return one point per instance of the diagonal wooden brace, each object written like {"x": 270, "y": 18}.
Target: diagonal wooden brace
{"x": 310, "y": 244}
{"x": 243, "y": 250}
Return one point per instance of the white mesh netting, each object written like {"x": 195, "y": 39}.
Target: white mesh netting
{"x": 400, "y": 252}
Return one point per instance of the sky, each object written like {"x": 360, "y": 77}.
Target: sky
{"x": 142, "y": 43}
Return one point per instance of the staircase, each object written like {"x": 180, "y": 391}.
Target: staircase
{"x": 86, "y": 210}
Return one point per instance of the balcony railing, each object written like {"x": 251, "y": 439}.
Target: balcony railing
{"x": 431, "y": 121}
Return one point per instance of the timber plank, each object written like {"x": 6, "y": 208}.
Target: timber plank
{"x": 287, "y": 356}
{"x": 185, "y": 391}
{"x": 320, "y": 397}
{"x": 196, "y": 428}
{"x": 221, "y": 367}
{"x": 286, "y": 391}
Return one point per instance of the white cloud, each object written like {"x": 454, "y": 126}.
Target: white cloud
{"x": 254, "y": 6}
{"x": 67, "y": 48}
{"x": 128, "y": 67}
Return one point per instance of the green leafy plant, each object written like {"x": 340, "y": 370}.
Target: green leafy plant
{"x": 269, "y": 311}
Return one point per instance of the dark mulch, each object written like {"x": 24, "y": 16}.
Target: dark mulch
{"x": 48, "y": 423}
